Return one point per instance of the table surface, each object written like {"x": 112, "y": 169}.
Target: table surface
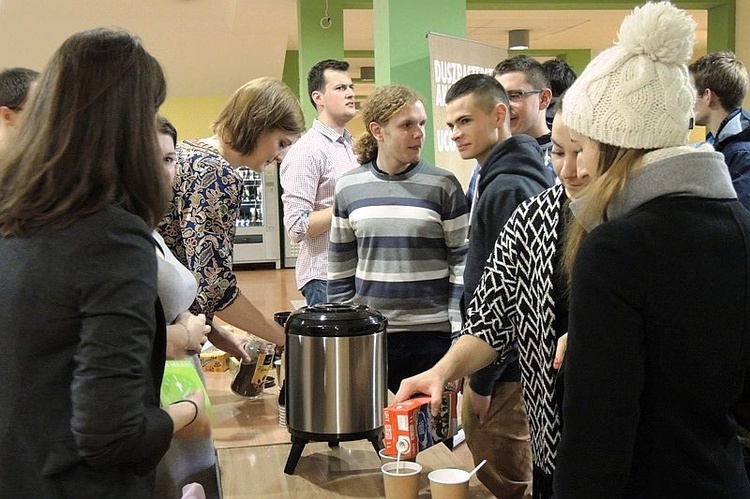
{"x": 351, "y": 470}
{"x": 240, "y": 422}
{"x": 252, "y": 450}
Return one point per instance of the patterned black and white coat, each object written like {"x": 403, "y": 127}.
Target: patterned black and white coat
{"x": 515, "y": 301}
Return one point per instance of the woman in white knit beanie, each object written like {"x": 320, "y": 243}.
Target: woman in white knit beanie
{"x": 658, "y": 256}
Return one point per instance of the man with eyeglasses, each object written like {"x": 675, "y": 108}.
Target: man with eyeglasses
{"x": 528, "y": 88}
{"x": 14, "y": 91}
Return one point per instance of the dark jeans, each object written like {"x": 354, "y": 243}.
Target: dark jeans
{"x": 315, "y": 292}
{"x": 413, "y": 353}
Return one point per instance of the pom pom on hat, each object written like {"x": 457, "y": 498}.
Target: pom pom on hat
{"x": 637, "y": 94}
{"x": 660, "y": 31}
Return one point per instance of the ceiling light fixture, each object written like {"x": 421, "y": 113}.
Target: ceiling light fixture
{"x": 518, "y": 39}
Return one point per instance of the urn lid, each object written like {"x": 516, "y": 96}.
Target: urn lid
{"x": 335, "y": 320}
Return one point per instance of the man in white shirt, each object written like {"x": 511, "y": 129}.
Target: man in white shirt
{"x": 310, "y": 170}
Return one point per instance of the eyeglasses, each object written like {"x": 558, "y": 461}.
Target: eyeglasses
{"x": 517, "y": 95}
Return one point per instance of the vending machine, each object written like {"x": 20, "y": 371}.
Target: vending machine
{"x": 257, "y": 237}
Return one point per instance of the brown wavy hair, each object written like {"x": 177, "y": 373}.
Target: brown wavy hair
{"x": 89, "y": 137}
{"x": 379, "y": 108}
{"x": 258, "y": 106}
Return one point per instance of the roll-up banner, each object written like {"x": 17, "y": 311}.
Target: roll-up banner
{"x": 452, "y": 58}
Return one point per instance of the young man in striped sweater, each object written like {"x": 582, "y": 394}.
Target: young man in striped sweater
{"x": 398, "y": 236}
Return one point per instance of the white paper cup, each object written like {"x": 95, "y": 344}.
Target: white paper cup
{"x": 402, "y": 483}
{"x": 449, "y": 483}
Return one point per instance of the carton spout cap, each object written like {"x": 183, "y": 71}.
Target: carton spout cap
{"x": 402, "y": 445}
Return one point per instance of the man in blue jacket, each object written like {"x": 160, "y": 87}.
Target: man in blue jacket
{"x": 721, "y": 82}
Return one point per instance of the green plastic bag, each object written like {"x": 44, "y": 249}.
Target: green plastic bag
{"x": 180, "y": 380}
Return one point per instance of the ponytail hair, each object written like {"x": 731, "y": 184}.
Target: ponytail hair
{"x": 366, "y": 148}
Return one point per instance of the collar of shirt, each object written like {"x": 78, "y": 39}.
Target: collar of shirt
{"x": 731, "y": 125}
{"x": 332, "y": 134}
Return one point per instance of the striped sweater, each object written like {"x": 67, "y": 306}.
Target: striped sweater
{"x": 398, "y": 244}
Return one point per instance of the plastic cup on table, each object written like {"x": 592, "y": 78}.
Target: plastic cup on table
{"x": 401, "y": 479}
{"x": 449, "y": 483}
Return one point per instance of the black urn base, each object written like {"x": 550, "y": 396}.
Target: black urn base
{"x": 301, "y": 438}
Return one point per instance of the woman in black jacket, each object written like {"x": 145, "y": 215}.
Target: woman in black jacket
{"x": 81, "y": 189}
{"x": 659, "y": 259}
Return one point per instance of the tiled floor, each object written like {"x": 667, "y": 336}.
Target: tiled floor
{"x": 275, "y": 290}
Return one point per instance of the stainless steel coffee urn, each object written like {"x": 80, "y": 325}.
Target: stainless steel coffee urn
{"x": 335, "y": 376}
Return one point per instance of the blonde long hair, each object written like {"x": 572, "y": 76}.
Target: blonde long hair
{"x": 616, "y": 164}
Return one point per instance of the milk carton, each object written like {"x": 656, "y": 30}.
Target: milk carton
{"x": 409, "y": 426}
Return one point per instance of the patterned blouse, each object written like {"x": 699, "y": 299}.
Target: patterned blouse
{"x": 515, "y": 302}
{"x": 200, "y": 223}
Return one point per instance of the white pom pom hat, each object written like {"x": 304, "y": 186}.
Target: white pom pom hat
{"x": 637, "y": 94}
